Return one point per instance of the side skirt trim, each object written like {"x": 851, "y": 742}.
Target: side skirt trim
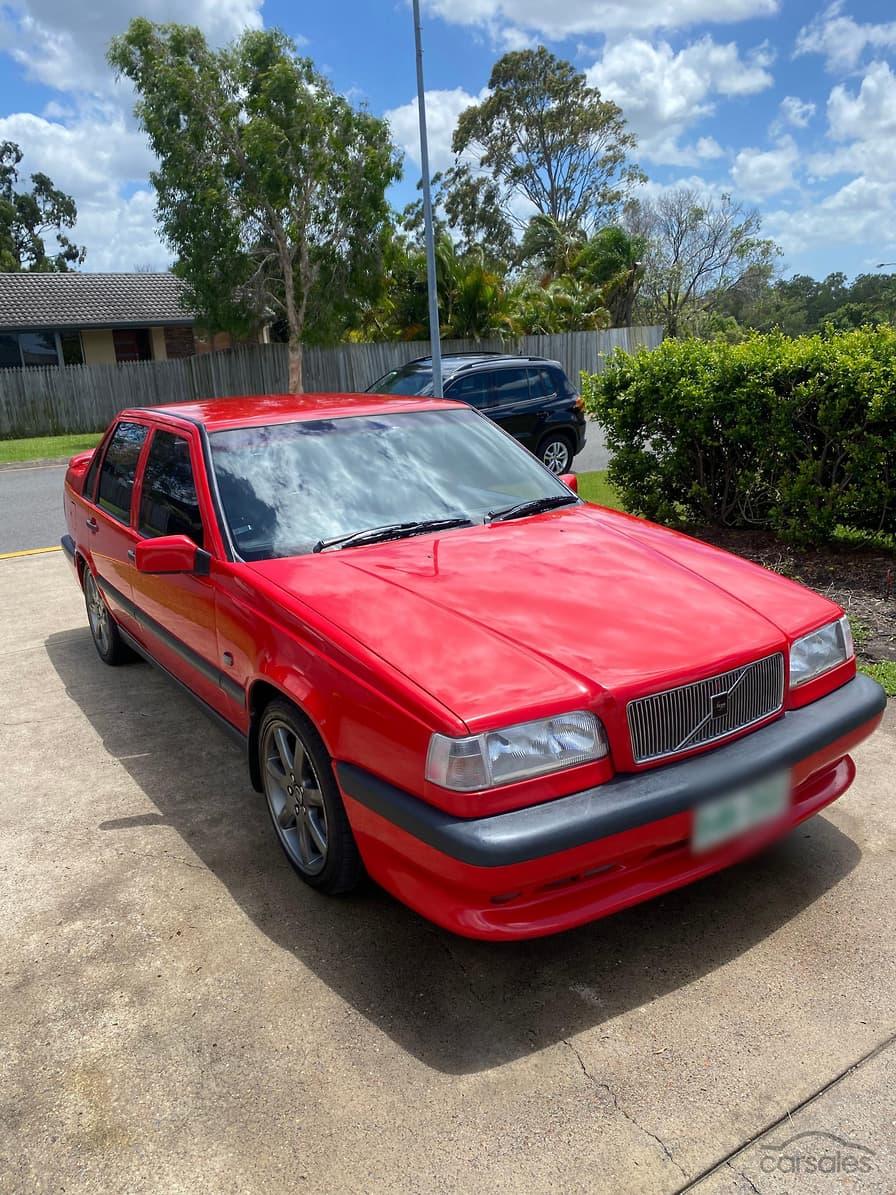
{"x": 191, "y": 657}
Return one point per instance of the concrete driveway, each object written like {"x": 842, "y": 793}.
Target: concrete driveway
{"x": 180, "y": 1014}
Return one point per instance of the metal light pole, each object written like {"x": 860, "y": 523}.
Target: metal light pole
{"x": 436, "y": 348}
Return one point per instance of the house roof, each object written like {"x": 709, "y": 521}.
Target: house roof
{"x": 71, "y": 300}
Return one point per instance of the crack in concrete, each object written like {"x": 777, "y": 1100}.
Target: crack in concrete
{"x": 599, "y": 1083}
{"x": 460, "y": 966}
{"x": 788, "y": 1116}
{"x": 746, "y": 1178}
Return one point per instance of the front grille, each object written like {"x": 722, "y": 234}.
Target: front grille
{"x": 693, "y": 715}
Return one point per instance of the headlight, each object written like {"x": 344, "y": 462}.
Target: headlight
{"x": 516, "y": 752}
{"x": 820, "y": 651}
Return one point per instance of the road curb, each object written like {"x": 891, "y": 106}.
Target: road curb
{"x": 37, "y": 463}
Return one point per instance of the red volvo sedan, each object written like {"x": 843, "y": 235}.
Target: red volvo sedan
{"x": 516, "y": 711}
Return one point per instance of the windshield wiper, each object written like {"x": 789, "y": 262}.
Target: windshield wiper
{"x": 534, "y": 506}
{"x": 372, "y": 535}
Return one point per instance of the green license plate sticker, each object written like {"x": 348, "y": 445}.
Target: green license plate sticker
{"x": 731, "y": 816}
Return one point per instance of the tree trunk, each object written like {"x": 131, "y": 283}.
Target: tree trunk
{"x": 295, "y": 384}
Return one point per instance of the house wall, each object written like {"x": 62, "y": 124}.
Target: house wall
{"x": 179, "y": 341}
{"x": 99, "y": 348}
{"x": 159, "y": 351}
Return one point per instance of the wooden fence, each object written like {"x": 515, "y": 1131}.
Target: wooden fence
{"x": 83, "y": 398}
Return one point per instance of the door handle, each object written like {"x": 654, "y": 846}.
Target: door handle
{"x": 92, "y": 524}
{"x": 132, "y": 555}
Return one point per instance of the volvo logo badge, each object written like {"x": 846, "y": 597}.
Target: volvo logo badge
{"x": 719, "y": 705}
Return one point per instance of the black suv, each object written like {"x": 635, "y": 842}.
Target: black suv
{"x": 530, "y": 397}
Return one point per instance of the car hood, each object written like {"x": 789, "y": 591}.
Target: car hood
{"x": 575, "y": 606}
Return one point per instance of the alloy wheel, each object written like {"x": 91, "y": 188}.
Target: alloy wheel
{"x": 97, "y": 615}
{"x": 295, "y": 799}
{"x": 556, "y": 456}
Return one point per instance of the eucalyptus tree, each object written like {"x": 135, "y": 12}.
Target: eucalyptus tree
{"x": 270, "y": 187}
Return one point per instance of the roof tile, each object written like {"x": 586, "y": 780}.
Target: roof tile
{"x": 73, "y": 300}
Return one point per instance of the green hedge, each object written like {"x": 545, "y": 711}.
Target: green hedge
{"x": 795, "y": 435}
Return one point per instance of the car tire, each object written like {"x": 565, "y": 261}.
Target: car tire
{"x": 304, "y": 803}
{"x": 555, "y": 451}
{"x": 110, "y": 646}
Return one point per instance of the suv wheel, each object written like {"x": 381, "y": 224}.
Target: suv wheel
{"x": 555, "y": 452}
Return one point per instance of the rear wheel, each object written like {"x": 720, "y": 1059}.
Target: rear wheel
{"x": 556, "y": 452}
{"x": 109, "y": 644}
{"x": 304, "y": 802}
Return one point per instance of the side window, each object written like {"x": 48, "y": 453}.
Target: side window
{"x": 541, "y": 383}
{"x": 511, "y": 385}
{"x": 472, "y": 388}
{"x": 119, "y": 467}
{"x": 168, "y": 503}
{"x": 562, "y": 384}
{"x": 89, "y": 491}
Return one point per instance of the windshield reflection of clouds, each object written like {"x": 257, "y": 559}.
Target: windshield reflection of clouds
{"x": 286, "y": 486}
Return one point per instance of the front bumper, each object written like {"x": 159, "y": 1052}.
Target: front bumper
{"x": 551, "y": 866}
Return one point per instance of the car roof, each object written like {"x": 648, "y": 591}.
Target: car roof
{"x": 453, "y": 362}
{"x": 253, "y": 410}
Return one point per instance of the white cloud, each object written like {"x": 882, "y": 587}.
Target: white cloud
{"x": 442, "y": 110}
{"x": 707, "y": 148}
{"x": 864, "y": 123}
{"x": 842, "y": 40}
{"x": 97, "y": 158}
{"x": 663, "y": 92}
{"x": 759, "y": 173}
{"x": 869, "y": 114}
{"x": 861, "y": 213}
{"x": 577, "y": 18}
{"x": 796, "y": 112}
{"x": 87, "y": 142}
{"x": 64, "y": 45}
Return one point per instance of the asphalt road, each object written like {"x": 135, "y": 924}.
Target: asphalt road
{"x": 31, "y": 498}
{"x": 31, "y": 507}
{"x": 180, "y": 1014}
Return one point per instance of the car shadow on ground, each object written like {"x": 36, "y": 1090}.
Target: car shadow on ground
{"x": 459, "y": 1006}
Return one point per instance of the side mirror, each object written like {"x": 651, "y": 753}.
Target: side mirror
{"x": 171, "y": 554}
{"x": 570, "y": 481}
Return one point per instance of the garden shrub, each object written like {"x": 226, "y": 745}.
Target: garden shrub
{"x": 793, "y": 435}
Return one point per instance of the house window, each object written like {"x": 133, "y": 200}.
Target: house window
{"x": 10, "y": 357}
{"x": 132, "y": 344}
{"x": 71, "y": 348}
{"x": 36, "y": 349}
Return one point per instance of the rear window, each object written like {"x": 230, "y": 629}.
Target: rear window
{"x": 118, "y": 471}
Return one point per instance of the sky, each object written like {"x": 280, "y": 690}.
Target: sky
{"x": 787, "y": 105}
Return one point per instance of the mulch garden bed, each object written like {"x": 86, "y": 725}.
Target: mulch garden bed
{"x": 862, "y": 580}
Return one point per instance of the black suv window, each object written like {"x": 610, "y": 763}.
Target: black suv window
{"x": 511, "y": 385}
{"x": 168, "y": 503}
{"x": 542, "y": 383}
{"x": 119, "y": 467}
{"x": 472, "y": 388}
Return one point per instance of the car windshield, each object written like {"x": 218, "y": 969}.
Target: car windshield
{"x": 287, "y": 488}
{"x": 410, "y": 379}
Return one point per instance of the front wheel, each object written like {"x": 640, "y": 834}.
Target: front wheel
{"x": 555, "y": 452}
{"x": 109, "y": 644}
{"x": 304, "y": 802}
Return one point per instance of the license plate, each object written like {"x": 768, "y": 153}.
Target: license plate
{"x": 739, "y": 812}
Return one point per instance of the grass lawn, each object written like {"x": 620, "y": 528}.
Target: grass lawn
{"x": 38, "y": 448}
{"x": 594, "y": 487}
